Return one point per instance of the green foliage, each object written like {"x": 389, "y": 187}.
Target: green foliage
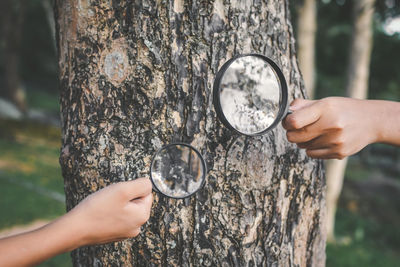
{"x": 332, "y": 50}
{"x": 43, "y": 100}
{"x": 363, "y": 241}
{"x": 385, "y": 67}
{"x": 332, "y": 43}
{"x": 38, "y": 53}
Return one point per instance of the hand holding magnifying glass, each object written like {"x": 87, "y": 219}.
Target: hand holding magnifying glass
{"x": 336, "y": 127}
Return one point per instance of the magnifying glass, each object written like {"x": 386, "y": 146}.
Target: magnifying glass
{"x": 178, "y": 170}
{"x": 250, "y": 94}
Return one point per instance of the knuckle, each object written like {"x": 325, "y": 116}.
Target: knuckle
{"x": 290, "y": 136}
{"x": 302, "y": 145}
{"x": 338, "y": 124}
{"x": 135, "y": 232}
{"x": 293, "y": 122}
{"x": 339, "y": 142}
{"x": 310, "y": 153}
{"x": 341, "y": 154}
{"x": 328, "y": 103}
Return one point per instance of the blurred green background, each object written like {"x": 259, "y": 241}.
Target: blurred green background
{"x": 31, "y": 185}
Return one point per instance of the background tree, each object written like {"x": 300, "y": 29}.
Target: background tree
{"x": 306, "y": 33}
{"x": 357, "y": 87}
{"x": 136, "y": 75}
{"x": 12, "y": 16}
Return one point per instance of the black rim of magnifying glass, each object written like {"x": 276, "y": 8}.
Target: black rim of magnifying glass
{"x": 283, "y": 102}
{"x": 203, "y": 163}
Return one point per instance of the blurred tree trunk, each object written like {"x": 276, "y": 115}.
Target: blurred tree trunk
{"x": 306, "y": 31}
{"x": 12, "y": 16}
{"x": 48, "y": 9}
{"x": 136, "y": 75}
{"x": 357, "y": 87}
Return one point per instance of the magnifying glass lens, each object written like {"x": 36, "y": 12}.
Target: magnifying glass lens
{"x": 250, "y": 94}
{"x": 178, "y": 170}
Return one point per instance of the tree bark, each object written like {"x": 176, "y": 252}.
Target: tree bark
{"x": 306, "y": 31}
{"x": 136, "y": 75}
{"x": 357, "y": 87}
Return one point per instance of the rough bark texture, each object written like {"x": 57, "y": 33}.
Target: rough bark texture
{"x": 138, "y": 74}
{"x": 357, "y": 87}
{"x": 306, "y": 29}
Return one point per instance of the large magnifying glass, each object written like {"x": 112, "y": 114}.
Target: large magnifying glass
{"x": 178, "y": 170}
{"x": 250, "y": 94}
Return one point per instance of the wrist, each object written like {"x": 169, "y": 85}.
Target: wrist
{"x": 386, "y": 122}
{"x": 68, "y": 231}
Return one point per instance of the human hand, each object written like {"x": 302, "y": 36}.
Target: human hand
{"x": 114, "y": 213}
{"x": 333, "y": 127}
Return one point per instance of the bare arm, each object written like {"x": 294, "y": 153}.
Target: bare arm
{"x": 111, "y": 214}
{"x": 337, "y": 127}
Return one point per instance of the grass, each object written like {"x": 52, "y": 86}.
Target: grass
{"x": 361, "y": 241}
{"x": 29, "y": 154}
{"x": 19, "y": 205}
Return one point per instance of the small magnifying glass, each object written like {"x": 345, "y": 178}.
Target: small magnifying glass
{"x": 178, "y": 170}
{"x": 250, "y": 94}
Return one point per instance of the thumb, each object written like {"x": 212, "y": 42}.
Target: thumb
{"x": 138, "y": 188}
{"x": 305, "y": 113}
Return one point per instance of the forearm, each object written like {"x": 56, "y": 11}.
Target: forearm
{"x": 36, "y": 246}
{"x": 387, "y": 118}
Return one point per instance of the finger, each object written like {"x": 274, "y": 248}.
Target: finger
{"x": 144, "y": 200}
{"x": 302, "y": 117}
{"x": 138, "y": 188}
{"x": 309, "y": 134}
{"x": 135, "y": 232}
{"x": 300, "y": 103}
{"x": 324, "y": 153}
{"x": 324, "y": 141}
{"x": 145, "y": 204}
{"x": 296, "y": 104}
{"x": 303, "y": 135}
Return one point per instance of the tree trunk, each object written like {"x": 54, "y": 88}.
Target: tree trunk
{"x": 48, "y": 9}
{"x": 12, "y": 15}
{"x": 357, "y": 87}
{"x": 306, "y": 30}
{"x": 138, "y": 74}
